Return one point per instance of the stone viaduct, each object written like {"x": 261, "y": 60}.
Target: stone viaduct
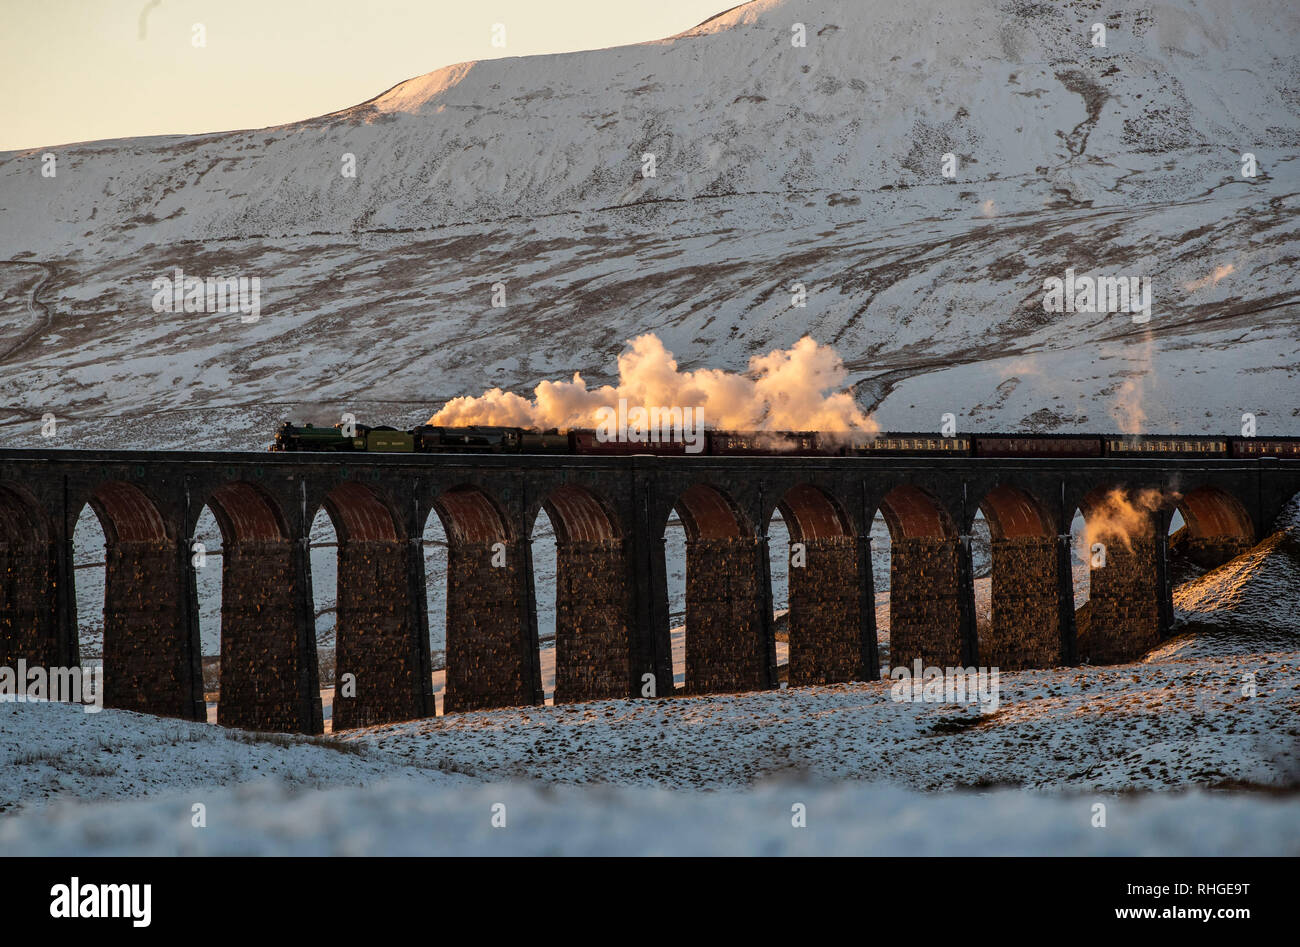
{"x": 612, "y": 623}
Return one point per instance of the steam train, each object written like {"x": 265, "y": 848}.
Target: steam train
{"x": 430, "y": 439}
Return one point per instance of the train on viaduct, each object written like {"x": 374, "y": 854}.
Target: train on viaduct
{"x": 612, "y": 622}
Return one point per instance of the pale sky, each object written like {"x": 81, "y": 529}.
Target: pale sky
{"x": 80, "y": 70}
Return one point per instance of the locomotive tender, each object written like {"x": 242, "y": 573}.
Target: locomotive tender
{"x": 511, "y": 440}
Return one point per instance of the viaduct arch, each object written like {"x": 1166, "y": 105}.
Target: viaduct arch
{"x": 609, "y": 515}
{"x": 828, "y": 639}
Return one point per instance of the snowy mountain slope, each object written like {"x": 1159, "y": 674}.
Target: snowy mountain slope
{"x": 878, "y": 94}
{"x": 391, "y": 327}
{"x": 775, "y": 165}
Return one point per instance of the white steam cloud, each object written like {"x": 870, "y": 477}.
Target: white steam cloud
{"x": 796, "y": 389}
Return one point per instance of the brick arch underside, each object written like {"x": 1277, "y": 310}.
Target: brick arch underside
{"x": 729, "y": 644}
{"x": 1121, "y": 619}
{"x": 592, "y": 623}
{"x": 1218, "y": 528}
{"x": 28, "y": 561}
{"x": 926, "y": 609}
{"x": 828, "y": 643}
{"x": 1029, "y": 627}
{"x": 269, "y": 676}
{"x": 151, "y": 640}
{"x": 381, "y": 645}
{"x": 492, "y": 658}
{"x": 911, "y": 513}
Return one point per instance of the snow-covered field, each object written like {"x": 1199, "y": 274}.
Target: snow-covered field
{"x": 56, "y": 751}
{"x": 410, "y": 818}
{"x": 706, "y": 774}
{"x": 1178, "y": 722}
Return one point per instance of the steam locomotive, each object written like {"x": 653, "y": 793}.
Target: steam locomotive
{"x": 430, "y": 439}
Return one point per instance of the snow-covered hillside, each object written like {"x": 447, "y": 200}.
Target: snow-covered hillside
{"x": 775, "y": 164}
{"x": 877, "y": 95}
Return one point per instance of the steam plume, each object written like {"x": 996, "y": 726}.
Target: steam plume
{"x": 1129, "y": 409}
{"x": 795, "y": 389}
{"x": 1121, "y": 517}
{"x": 1225, "y": 269}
